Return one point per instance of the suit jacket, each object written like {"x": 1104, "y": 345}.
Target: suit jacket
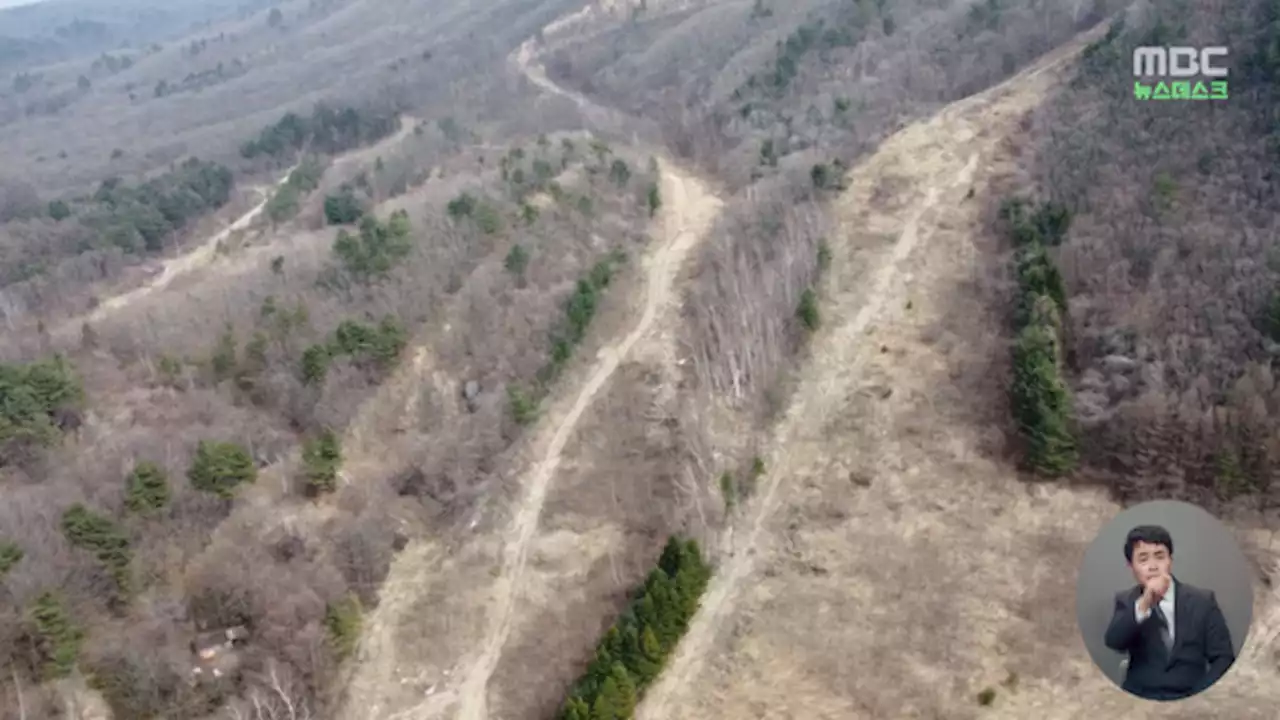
{"x": 1202, "y": 649}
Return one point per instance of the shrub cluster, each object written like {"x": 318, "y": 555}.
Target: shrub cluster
{"x": 220, "y": 467}
{"x": 375, "y": 347}
{"x": 88, "y": 530}
{"x": 579, "y": 310}
{"x": 286, "y": 201}
{"x": 321, "y": 458}
{"x": 36, "y": 400}
{"x": 377, "y": 249}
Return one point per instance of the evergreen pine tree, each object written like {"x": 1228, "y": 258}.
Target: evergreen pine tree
{"x": 646, "y": 611}
{"x": 606, "y": 704}
{"x": 58, "y": 638}
{"x": 321, "y": 458}
{"x": 632, "y": 653}
{"x": 596, "y": 673}
{"x": 626, "y": 700}
{"x": 147, "y": 488}
{"x": 612, "y": 643}
{"x": 10, "y": 554}
{"x": 649, "y": 645}
{"x": 667, "y": 605}
{"x": 688, "y": 589}
{"x": 86, "y": 529}
{"x": 576, "y": 709}
{"x": 655, "y": 576}
{"x": 693, "y": 558}
{"x": 1271, "y": 317}
{"x": 218, "y": 467}
{"x": 651, "y": 657}
{"x": 671, "y": 556}
{"x": 631, "y": 656}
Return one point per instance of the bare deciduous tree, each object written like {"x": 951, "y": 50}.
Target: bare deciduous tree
{"x": 273, "y": 694}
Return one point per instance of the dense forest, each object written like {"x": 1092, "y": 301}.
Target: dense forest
{"x": 327, "y": 130}
{"x": 1169, "y": 268}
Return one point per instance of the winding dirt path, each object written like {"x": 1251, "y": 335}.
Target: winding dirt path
{"x": 525, "y": 60}
{"x": 198, "y": 257}
{"x": 690, "y": 204}
{"x": 206, "y": 252}
{"x": 689, "y": 207}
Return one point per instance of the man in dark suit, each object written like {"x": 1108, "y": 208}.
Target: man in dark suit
{"x": 1176, "y": 637}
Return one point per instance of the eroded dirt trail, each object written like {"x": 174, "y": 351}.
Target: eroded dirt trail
{"x": 525, "y": 60}
{"x": 198, "y": 257}
{"x": 691, "y": 207}
{"x": 688, "y": 211}
{"x": 206, "y": 252}
{"x": 925, "y": 171}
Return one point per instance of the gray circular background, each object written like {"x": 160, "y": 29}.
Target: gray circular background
{"x": 1205, "y": 554}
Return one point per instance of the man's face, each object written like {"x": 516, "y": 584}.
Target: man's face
{"x": 1150, "y": 561}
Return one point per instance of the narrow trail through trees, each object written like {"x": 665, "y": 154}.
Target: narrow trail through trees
{"x": 198, "y": 257}
{"x": 206, "y": 252}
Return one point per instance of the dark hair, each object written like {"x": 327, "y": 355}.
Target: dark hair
{"x": 1150, "y": 534}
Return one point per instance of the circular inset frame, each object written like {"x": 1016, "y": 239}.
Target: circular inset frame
{"x": 1212, "y": 594}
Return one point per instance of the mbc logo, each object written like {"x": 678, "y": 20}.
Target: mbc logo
{"x": 1179, "y": 62}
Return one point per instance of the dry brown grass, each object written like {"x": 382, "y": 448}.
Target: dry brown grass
{"x": 897, "y": 565}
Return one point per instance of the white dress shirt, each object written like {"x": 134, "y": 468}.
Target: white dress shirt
{"x": 1166, "y": 607}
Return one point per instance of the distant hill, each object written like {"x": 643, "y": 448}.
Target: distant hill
{"x": 48, "y": 31}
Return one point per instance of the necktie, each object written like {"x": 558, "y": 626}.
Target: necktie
{"x": 1163, "y": 624}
